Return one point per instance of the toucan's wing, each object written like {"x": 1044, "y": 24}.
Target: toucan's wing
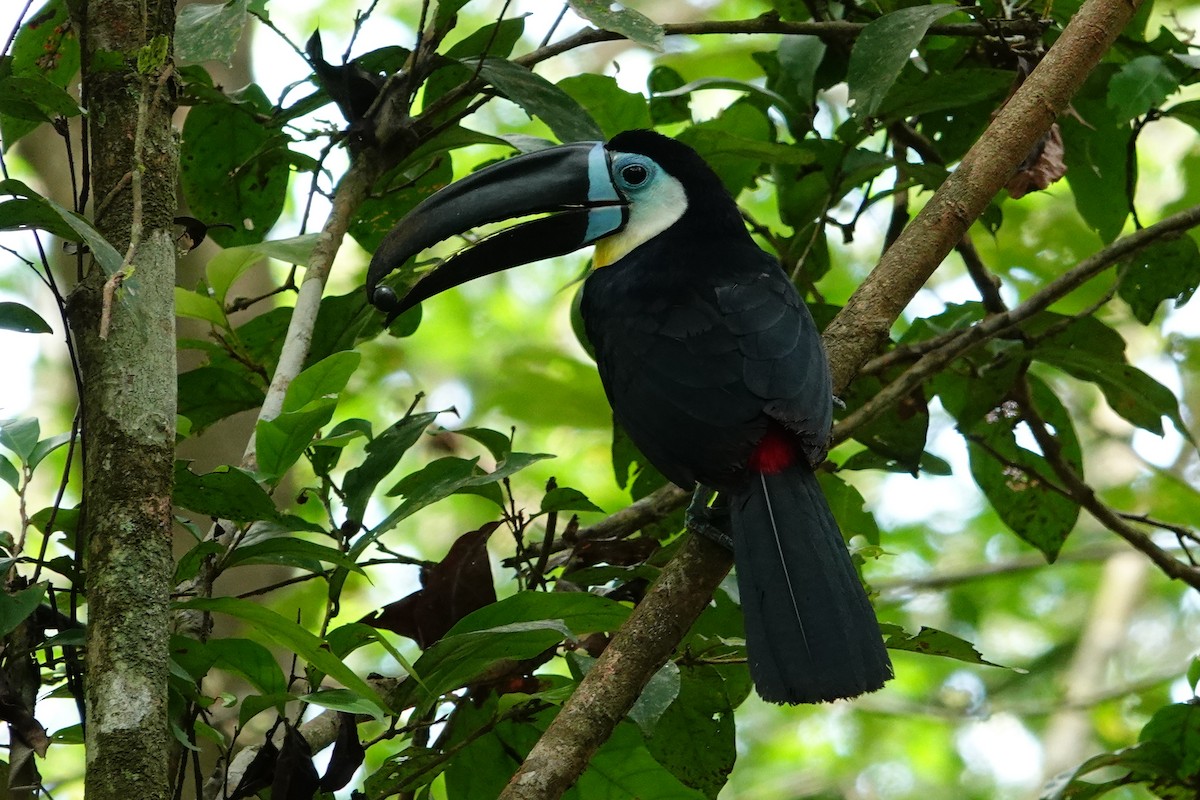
{"x": 784, "y": 362}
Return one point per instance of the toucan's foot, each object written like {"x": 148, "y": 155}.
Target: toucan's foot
{"x": 711, "y": 522}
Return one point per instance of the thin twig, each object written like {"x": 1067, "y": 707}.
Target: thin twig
{"x": 834, "y": 30}
{"x": 985, "y": 280}
{"x": 1085, "y": 495}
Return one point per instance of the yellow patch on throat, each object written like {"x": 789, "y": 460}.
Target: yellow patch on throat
{"x": 608, "y": 251}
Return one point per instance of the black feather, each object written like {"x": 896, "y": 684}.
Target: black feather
{"x": 811, "y": 633}
{"x": 704, "y": 346}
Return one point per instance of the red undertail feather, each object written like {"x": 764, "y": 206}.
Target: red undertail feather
{"x": 775, "y": 452}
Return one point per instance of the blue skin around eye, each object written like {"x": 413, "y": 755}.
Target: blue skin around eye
{"x": 606, "y": 219}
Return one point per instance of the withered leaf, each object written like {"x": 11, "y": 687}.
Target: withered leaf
{"x": 348, "y": 754}
{"x": 452, "y": 588}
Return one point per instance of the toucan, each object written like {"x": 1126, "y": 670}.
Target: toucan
{"x": 712, "y": 365}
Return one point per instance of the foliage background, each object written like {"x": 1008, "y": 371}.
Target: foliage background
{"x": 1101, "y": 638}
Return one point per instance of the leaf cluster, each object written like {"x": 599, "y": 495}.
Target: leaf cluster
{"x": 344, "y": 496}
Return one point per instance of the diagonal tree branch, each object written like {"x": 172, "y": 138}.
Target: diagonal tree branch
{"x": 961, "y": 342}
{"x": 686, "y": 585}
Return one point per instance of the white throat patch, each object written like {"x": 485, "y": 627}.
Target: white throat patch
{"x": 654, "y": 210}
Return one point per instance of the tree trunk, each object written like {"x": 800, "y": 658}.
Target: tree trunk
{"x": 125, "y": 334}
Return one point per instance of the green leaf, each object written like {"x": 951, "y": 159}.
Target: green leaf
{"x": 344, "y": 321}
{"x": 849, "y": 508}
{"x": 933, "y": 642}
{"x": 401, "y": 191}
{"x": 945, "y": 90}
{"x": 1142, "y": 84}
{"x": 455, "y": 659}
{"x": 250, "y": 660}
{"x": 1130, "y": 392}
{"x": 188, "y": 565}
{"x": 617, "y": 18}
{"x": 152, "y": 56}
{"x": 47, "y": 446}
{"x": 624, "y": 768}
{"x": 800, "y": 57}
{"x": 33, "y": 97}
{"x": 613, "y": 108}
{"x": 737, "y": 143}
{"x": 9, "y": 474}
{"x": 209, "y": 394}
{"x": 345, "y": 639}
{"x": 1095, "y": 150}
{"x": 695, "y": 737}
{"x": 226, "y": 267}
{"x": 1166, "y": 269}
{"x": 20, "y": 436}
{"x": 566, "y": 499}
{"x": 665, "y": 110}
{"x": 407, "y": 770}
{"x": 46, "y": 46}
{"x": 1187, "y": 113}
{"x": 104, "y": 253}
{"x": 327, "y": 378}
{"x": 870, "y": 460}
{"x": 497, "y": 443}
{"x": 199, "y": 306}
{"x": 1177, "y": 728}
{"x": 234, "y": 170}
{"x": 328, "y": 450}
{"x": 492, "y": 749}
{"x": 767, "y": 96}
{"x": 441, "y": 478}
{"x": 581, "y": 612}
{"x": 225, "y": 493}
{"x": 1148, "y": 761}
{"x": 659, "y": 693}
{"x": 1017, "y": 481}
{"x": 15, "y": 607}
{"x": 541, "y": 99}
{"x": 24, "y": 214}
{"x": 882, "y": 50}
{"x": 209, "y": 31}
{"x": 280, "y": 442}
{"x": 288, "y": 634}
{"x": 382, "y": 454}
{"x": 255, "y": 704}
{"x": 340, "y": 700}
{"x": 291, "y": 552}
{"x": 446, "y": 9}
{"x": 495, "y": 40}
{"x": 901, "y": 431}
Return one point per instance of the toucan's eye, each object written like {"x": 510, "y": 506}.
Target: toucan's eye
{"x": 634, "y": 174}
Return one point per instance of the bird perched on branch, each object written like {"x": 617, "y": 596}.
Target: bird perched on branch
{"x": 712, "y": 365}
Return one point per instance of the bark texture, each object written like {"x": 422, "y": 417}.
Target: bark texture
{"x": 125, "y": 333}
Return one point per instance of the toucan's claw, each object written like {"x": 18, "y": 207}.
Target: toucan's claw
{"x": 711, "y": 522}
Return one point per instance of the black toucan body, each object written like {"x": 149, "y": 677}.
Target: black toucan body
{"x": 712, "y": 364}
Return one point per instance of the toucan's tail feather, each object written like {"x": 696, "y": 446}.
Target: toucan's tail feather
{"x": 811, "y": 634}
